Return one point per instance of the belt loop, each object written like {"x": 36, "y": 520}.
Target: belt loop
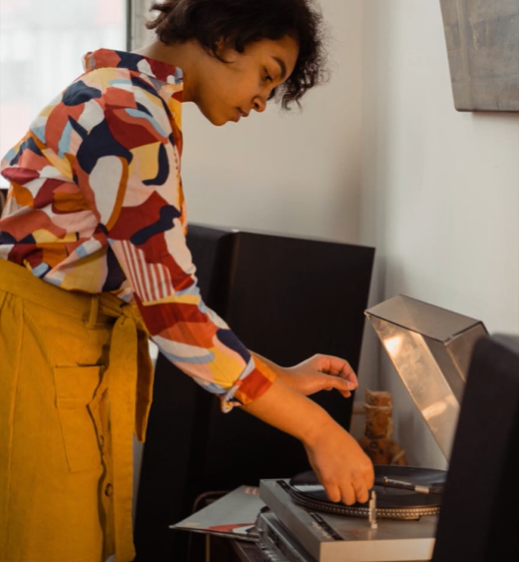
{"x": 94, "y": 308}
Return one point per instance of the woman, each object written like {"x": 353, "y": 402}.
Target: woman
{"x": 95, "y": 262}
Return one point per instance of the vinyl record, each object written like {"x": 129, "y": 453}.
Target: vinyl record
{"x": 392, "y": 503}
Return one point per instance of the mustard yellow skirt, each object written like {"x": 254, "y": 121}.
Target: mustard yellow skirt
{"x": 74, "y": 377}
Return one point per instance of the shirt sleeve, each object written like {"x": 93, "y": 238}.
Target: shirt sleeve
{"x": 128, "y": 167}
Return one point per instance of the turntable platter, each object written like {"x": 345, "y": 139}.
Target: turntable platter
{"x": 392, "y": 503}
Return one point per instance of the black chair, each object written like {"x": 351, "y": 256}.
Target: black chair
{"x": 286, "y": 298}
{"x": 479, "y": 521}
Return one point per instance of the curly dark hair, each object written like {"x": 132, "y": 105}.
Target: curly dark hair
{"x": 241, "y": 22}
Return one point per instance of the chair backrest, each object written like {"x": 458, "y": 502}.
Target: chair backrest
{"x": 479, "y": 520}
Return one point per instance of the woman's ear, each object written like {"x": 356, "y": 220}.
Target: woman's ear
{"x": 223, "y": 49}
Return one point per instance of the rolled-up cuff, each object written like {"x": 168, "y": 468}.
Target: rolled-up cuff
{"x": 248, "y": 389}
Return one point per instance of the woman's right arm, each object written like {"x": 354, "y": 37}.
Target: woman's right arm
{"x": 343, "y": 468}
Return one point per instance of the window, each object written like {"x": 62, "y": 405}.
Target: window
{"x": 41, "y": 49}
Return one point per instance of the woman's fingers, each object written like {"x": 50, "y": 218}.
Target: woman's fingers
{"x": 333, "y": 492}
{"x": 342, "y": 385}
{"x": 347, "y": 493}
{"x": 361, "y": 492}
{"x": 356, "y": 486}
{"x": 337, "y": 367}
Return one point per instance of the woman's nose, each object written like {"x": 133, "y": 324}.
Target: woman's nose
{"x": 259, "y": 104}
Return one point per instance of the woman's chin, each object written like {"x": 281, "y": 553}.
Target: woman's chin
{"x": 216, "y": 119}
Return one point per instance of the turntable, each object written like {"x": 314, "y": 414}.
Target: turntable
{"x": 431, "y": 349}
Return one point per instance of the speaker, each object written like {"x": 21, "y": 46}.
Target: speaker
{"x": 286, "y": 298}
{"x": 289, "y": 298}
{"x": 478, "y": 520}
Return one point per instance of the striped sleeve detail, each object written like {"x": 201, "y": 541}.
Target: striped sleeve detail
{"x": 152, "y": 280}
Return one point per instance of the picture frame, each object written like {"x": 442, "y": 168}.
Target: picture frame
{"x": 482, "y": 40}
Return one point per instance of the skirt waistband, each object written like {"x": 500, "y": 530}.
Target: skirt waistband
{"x": 89, "y": 308}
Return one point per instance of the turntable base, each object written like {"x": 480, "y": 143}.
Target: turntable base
{"x": 333, "y": 538}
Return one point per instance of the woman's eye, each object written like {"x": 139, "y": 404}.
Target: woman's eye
{"x": 268, "y": 77}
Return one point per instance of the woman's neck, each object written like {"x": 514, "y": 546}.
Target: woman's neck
{"x": 182, "y": 55}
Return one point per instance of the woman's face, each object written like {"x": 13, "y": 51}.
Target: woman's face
{"x": 227, "y": 91}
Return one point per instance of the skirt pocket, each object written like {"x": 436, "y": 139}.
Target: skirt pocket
{"x": 75, "y": 391}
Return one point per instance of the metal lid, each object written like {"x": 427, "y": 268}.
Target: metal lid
{"x": 431, "y": 348}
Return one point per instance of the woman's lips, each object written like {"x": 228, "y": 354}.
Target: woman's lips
{"x": 239, "y": 114}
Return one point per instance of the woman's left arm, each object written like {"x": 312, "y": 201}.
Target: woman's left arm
{"x": 320, "y": 372}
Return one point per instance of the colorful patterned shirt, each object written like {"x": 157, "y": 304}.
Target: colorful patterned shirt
{"x": 96, "y": 204}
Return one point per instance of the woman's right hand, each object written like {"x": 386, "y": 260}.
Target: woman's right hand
{"x": 340, "y": 464}
{"x": 342, "y": 467}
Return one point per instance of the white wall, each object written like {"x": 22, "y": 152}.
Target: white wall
{"x": 440, "y": 189}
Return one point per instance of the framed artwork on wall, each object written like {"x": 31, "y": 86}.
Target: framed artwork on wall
{"x": 482, "y": 40}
